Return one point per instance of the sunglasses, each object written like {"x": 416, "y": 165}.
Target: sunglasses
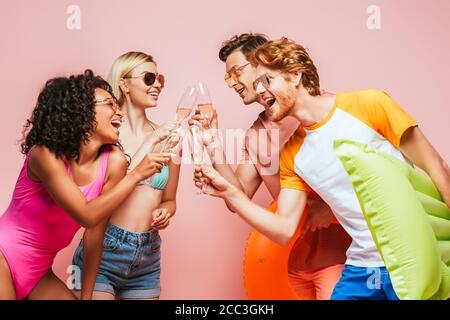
{"x": 111, "y": 102}
{"x": 149, "y": 78}
{"x": 264, "y": 80}
{"x": 234, "y": 73}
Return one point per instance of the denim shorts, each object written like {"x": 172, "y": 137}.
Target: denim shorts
{"x": 130, "y": 265}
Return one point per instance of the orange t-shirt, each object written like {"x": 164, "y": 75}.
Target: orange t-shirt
{"x": 308, "y": 160}
{"x": 263, "y": 142}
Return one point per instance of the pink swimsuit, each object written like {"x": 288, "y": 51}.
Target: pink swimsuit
{"x": 34, "y": 228}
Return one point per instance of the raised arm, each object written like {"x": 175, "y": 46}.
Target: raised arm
{"x": 246, "y": 178}
{"x": 279, "y": 227}
{"x": 151, "y": 142}
{"x": 51, "y": 170}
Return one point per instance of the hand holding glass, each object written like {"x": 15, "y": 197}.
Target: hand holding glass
{"x": 204, "y": 103}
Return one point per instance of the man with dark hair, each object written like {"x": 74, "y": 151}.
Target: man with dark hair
{"x": 316, "y": 261}
{"x": 235, "y": 50}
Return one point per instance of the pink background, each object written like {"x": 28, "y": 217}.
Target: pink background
{"x": 203, "y": 248}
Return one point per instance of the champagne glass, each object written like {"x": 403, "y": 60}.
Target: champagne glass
{"x": 184, "y": 109}
{"x": 204, "y": 103}
{"x": 186, "y": 103}
{"x": 197, "y": 151}
{"x": 206, "y": 109}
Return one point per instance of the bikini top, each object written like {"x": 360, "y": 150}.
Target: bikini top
{"x": 159, "y": 180}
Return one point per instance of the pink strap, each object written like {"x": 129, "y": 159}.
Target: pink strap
{"x": 104, "y": 165}
{"x": 69, "y": 172}
{"x": 27, "y": 157}
{"x": 105, "y": 156}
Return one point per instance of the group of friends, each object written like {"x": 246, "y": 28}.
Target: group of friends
{"x": 78, "y": 173}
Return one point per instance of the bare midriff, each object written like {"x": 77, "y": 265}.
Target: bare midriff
{"x": 135, "y": 213}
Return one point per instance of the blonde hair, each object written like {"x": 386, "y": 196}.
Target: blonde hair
{"x": 122, "y": 66}
{"x": 289, "y": 57}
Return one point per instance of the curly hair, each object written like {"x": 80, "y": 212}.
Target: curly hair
{"x": 287, "y": 56}
{"x": 246, "y": 42}
{"x": 64, "y": 115}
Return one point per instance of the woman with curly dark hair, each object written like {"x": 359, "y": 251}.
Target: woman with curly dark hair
{"x": 124, "y": 252}
{"x": 71, "y": 159}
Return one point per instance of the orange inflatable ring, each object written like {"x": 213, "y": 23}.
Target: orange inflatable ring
{"x": 266, "y": 265}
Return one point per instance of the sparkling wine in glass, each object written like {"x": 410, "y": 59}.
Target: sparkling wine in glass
{"x": 184, "y": 109}
{"x": 183, "y": 113}
{"x": 204, "y": 103}
{"x": 186, "y": 104}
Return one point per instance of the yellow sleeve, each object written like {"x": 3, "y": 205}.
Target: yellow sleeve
{"x": 386, "y": 116}
{"x": 288, "y": 178}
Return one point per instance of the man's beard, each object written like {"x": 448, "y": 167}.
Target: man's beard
{"x": 286, "y": 104}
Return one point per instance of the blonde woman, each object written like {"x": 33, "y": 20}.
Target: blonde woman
{"x": 129, "y": 267}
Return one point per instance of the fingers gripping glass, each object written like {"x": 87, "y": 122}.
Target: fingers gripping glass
{"x": 111, "y": 102}
{"x": 206, "y": 109}
{"x": 234, "y": 73}
{"x": 205, "y": 105}
{"x": 150, "y": 78}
